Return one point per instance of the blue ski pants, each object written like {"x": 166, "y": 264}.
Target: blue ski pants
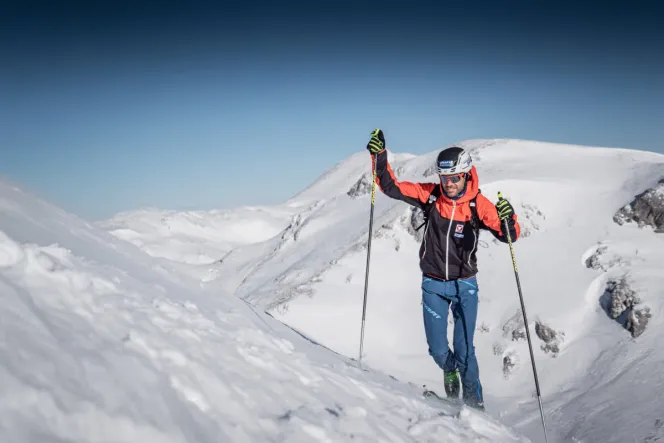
{"x": 461, "y": 297}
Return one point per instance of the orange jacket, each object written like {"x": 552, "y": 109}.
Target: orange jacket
{"x": 449, "y": 247}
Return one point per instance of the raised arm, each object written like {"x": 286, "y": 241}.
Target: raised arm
{"x": 415, "y": 194}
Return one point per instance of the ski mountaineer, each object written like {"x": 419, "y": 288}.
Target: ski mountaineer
{"x": 448, "y": 256}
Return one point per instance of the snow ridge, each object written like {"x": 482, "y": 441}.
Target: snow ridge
{"x": 100, "y": 344}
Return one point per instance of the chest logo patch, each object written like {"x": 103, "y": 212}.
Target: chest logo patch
{"x": 458, "y": 230}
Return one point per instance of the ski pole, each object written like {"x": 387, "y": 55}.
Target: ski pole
{"x": 366, "y": 275}
{"x": 525, "y": 319}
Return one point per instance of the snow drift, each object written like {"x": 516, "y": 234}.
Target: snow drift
{"x": 100, "y": 343}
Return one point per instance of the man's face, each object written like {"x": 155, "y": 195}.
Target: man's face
{"x": 452, "y": 189}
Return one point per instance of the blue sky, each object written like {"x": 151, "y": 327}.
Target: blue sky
{"x": 109, "y": 112}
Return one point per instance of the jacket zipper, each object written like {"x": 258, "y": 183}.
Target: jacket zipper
{"x": 447, "y": 246}
{"x": 426, "y": 228}
{"x": 474, "y": 246}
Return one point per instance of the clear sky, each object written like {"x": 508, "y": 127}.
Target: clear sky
{"x": 192, "y": 106}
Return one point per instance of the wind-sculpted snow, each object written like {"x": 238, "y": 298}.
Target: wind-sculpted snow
{"x": 99, "y": 346}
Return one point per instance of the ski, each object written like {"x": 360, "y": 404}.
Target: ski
{"x": 431, "y": 395}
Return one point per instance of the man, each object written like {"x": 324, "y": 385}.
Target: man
{"x": 448, "y": 256}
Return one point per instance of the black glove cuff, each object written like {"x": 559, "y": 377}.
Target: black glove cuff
{"x": 510, "y": 220}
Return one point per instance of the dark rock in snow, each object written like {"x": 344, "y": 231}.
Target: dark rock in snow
{"x": 658, "y": 434}
{"x": 647, "y": 209}
{"x": 515, "y": 330}
{"x": 602, "y": 260}
{"x": 619, "y": 302}
{"x": 593, "y": 262}
{"x": 514, "y": 327}
{"x": 637, "y": 320}
{"x": 508, "y": 364}
{"x": 622, "y": 297}
{"x": 544, "y": 332}
{"x": 334, "y": 412}
{"x": 431, "y": 170}
{"x": 551, "y": 348}
{"x": 361, "y": 188}
{"x": 510, "y": 361}
{"x": 552, "y": 339}
{"x": 519, "y": 334}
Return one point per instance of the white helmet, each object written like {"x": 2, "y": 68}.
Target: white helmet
{"x": 453, "y": 160}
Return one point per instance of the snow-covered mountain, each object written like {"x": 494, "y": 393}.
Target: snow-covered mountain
{"x": 590, "y": 263}
{"x": 100, "y": 343}
{"x": 196, "y": 237}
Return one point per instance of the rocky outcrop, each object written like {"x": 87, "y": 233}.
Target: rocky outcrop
{"x": 620, "y": 303}
{"x": 637, "y": 320}
{"x": 431, "y": 170}
{"x": 622, "y": 297}
{"x": 361, "y": 187}
{"x": 619, "y": 300}
{"x": 647, "y": 209}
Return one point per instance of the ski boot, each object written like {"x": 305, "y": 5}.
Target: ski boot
{"x": 474, "y": 401}
{"x": 452, "y": 384}
{"x": 475, "y": 404}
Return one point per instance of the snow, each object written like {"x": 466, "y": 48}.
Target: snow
{"x": 195, "y": 237}
{"x": 601, "y": 384}
{"x": 659, "y": 190}
{"x": 101, "y": 342}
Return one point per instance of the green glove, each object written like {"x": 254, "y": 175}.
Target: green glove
{"x": 377, "y": 142}
{"x": 504, "y": 208}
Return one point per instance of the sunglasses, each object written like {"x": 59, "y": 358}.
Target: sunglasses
{"x": 451, "y": 178}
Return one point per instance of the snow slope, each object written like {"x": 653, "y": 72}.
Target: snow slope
{"x": 101, "y": 343}
{"x": 195, "y": 237}
{"x": 598, "y": 383}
